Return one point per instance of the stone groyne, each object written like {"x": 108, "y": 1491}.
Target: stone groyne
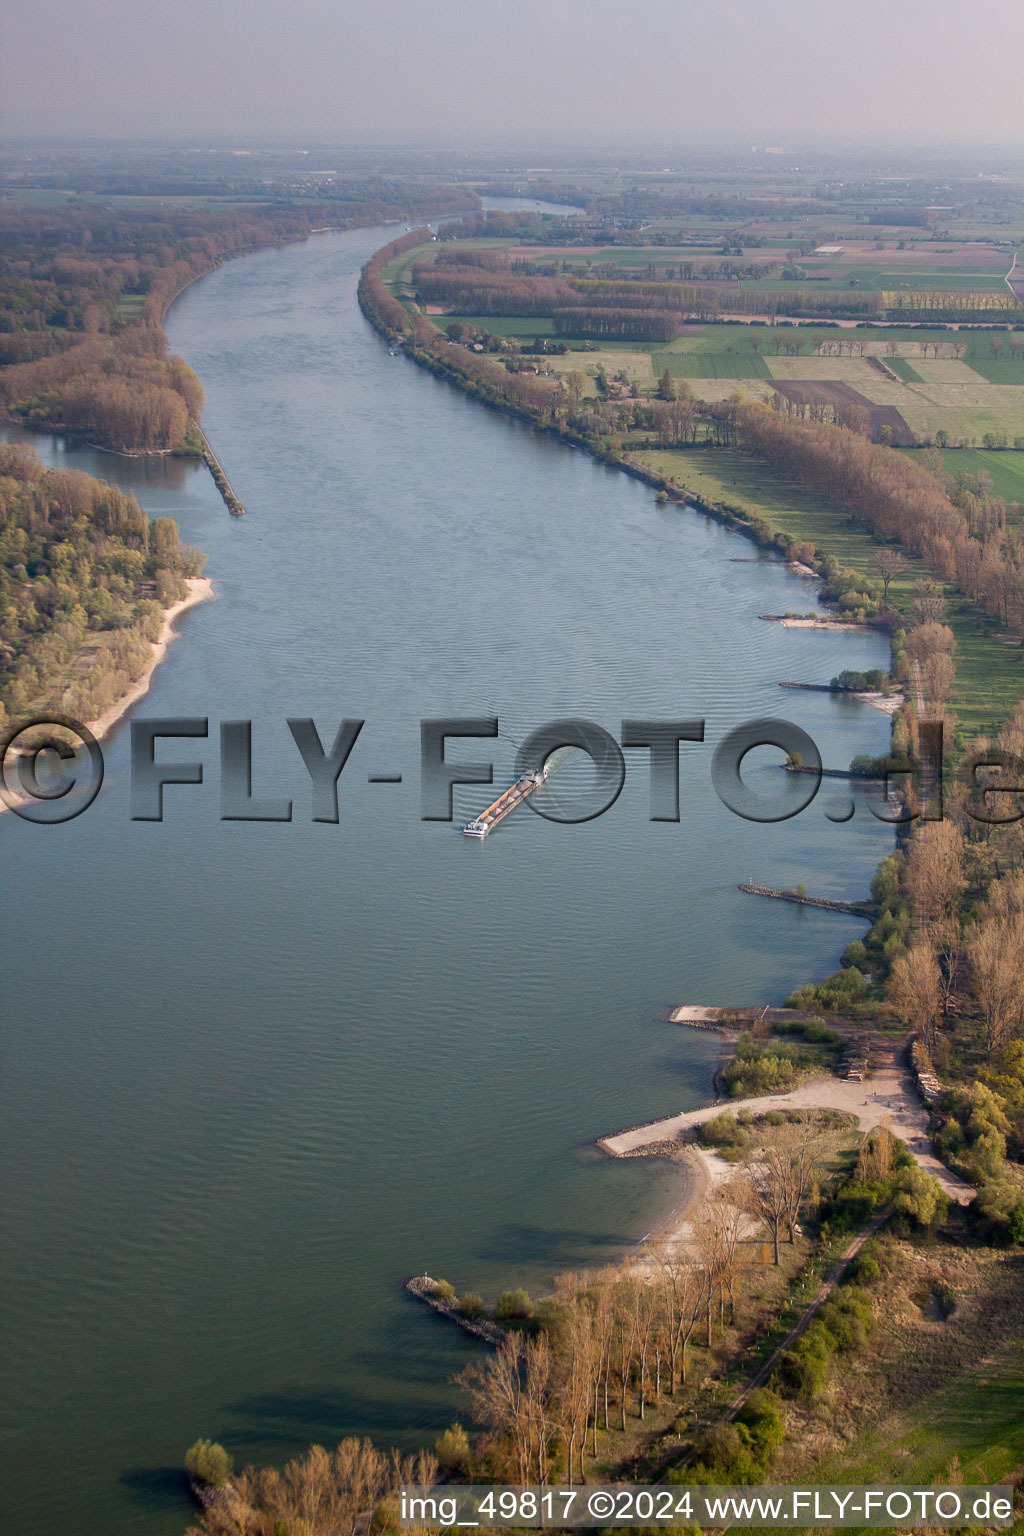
{"x": 424, "y": 1288}
{"x": 865, "y": 909}
{"x": 220, "y": 479}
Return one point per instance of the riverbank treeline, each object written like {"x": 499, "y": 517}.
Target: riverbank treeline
{"x": 85, "y": 577}
{"x": 83, "y": 292}
{"x": 965, "y": 536}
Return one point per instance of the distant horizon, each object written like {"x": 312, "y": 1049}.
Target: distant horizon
{"x": 664, "y": 158}
{"x": 870, "y": 73}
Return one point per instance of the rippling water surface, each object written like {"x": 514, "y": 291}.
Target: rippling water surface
{"x": 256, "y": 1075}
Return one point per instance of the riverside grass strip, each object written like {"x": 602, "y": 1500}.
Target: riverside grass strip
{"x": 990, "y": 672}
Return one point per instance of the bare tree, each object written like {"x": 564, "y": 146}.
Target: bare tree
{"x": 935, "y": 871}
{"x": 779, "y": 1178}
{"x": 915, "y": 989}
{"x": 765, "y": 1190}
{"x": 645, "y": 1312}
{"x": 890, "y": 563}
{"x": 623, "y": 1338}
{"x": 579, "y": 1374}
{"x": 996, "y": 954}
{"x": 684, "y": 1286}
{"x": 509, "y": 1393}
{"x": 323, "y": 1493}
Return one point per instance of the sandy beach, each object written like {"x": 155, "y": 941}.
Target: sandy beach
{"x": 884, "y": 1098}
{"x": 888, "y": 703}
{"x": 778, "y": 618}
{"x": 200, "y": 590}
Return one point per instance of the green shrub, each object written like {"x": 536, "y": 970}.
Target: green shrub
{"x": 847, "y": 1317}
{"x": 836, "y": 994}
{"x": 758, "y": 1068}
{"x": 919, "y": 1196}
{"x": 723, "y": 1456}
{"x": 444, "y": 1290}
{"x": 864, "y": 1269}
{"x": 452, "y": 1450}
{"x": 513, "y": 1305}
{"x": 207, "y": 1462}
{"x": 761, "y": 1415}
{"x": 800, "y": 1372}
{"x": 988, "y": 1156}
{"x": 471, "y": 1305}
{"x": 997, "y": 1213}
{"x": 723, "y": 1131}
{"x": 856, "y": 954}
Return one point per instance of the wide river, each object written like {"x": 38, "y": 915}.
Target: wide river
{"x": 255, "y": 1075}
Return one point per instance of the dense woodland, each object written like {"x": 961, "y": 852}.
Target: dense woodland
{"x": 84, "y": 287}
{"x": 84, "y": 578}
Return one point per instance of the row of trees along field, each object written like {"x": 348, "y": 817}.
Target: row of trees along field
{"x": 84, "y": 579}
{"x": 83, "y": 291}
{"x": 501, "y": 286}
{"x": 964, "y": 536}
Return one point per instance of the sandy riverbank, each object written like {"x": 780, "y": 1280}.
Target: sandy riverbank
{"x": 787, "y": 623}
{"x": 200, "y": 590}
{"x": 888, "y": 703}
{"x": 884, "y": 1098}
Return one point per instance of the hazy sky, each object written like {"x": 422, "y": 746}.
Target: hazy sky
{"x": 460, "y": 71}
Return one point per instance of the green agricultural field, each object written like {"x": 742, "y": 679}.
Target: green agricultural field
{"x": 990, "y": 673}
{"x": 1005, "y": 471}
{"x": 708, "y": 339}
{"x": 871, "y": 278}
{"x": 398, "y": 273}
{"x": 642, "y": 256}
{"x": 978, "y": 1419}
{"x": 523, "y": 327}
{"x": 129, "y": 307}
{"x": 999, "y": 370}
{"x": 906, "y": 370}
{"x": 710, "y": 365}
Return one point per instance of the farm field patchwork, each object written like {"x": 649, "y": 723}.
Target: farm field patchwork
{"x": 523, "y": 327}
{"x": 967, "y": 384}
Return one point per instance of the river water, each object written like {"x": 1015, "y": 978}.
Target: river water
{"x": 255, "y": 1075}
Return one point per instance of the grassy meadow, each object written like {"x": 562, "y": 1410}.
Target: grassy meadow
{"x": 990, "y": 672}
